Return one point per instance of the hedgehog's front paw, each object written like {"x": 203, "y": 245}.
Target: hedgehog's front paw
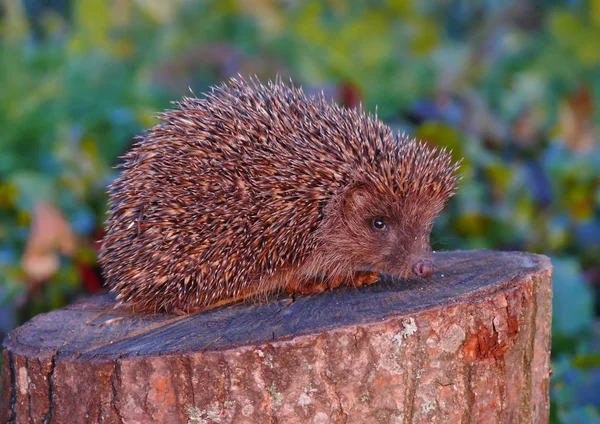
{"x": 318, "y": 285}
{"x": 364, "y": 278}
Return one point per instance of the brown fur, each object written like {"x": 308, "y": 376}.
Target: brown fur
{"x": 259, "y": 189}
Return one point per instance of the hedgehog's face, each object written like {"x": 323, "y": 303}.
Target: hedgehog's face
{"x": 385, "y": 234}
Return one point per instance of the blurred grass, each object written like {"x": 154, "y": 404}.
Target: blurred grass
{"x": 513, "y": 87}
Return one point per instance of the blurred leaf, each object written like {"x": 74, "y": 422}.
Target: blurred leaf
{"x": 576, "y": 126}
{"x": 564, "y": 24}
{"x": 93, "y": 23}
{"x": 500, "y": 175}
{"x": 472, "y": 225}
{"x": 580, "y": 203}
{"x": 159, "y": 10}
{"x": 32, "y": 187}
{"x": 595, "y": 12}
{"x": 587, "y": 361}
{"x": 575, "y": 35}
{"x": 14, "y": 25}
{"x": 426, "y": 35}
{"x": 268, "y": 15}
{"x": 573, "y": 301}
{"x": 308, "y": 25}
{"x": 8, "y": 194}
{"x": 403, "y": 8}
{"x": 442, "y": 135}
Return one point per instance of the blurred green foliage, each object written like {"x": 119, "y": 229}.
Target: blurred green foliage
{"x": 513, "y": 87}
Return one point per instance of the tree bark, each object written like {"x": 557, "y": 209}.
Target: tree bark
{"x": 470, "y": 345}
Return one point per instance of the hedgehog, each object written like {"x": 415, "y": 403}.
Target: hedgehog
{"x": 254, "y": 190}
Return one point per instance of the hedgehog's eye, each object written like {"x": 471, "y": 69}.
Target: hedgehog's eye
{"x": 379, "y": 224}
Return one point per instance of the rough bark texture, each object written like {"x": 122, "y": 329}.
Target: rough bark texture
{"x": 471, "y": 345}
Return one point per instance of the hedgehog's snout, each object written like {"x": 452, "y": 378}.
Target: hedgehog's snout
{"x": 423, "y": 268}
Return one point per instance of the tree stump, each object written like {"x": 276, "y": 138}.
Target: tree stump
{"x": 470, "y": 345}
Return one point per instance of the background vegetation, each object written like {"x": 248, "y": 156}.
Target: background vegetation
{"x": 513, "y": 87}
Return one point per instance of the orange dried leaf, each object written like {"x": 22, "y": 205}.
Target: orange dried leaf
{"x": 50, "y": 235}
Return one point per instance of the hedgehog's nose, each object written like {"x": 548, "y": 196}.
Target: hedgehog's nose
{"x": 423, "y": 268}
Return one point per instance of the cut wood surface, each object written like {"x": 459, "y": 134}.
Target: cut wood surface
{"x": 470, "y": 345}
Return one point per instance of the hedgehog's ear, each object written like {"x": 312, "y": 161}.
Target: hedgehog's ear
{"x": 356, "y": 199}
